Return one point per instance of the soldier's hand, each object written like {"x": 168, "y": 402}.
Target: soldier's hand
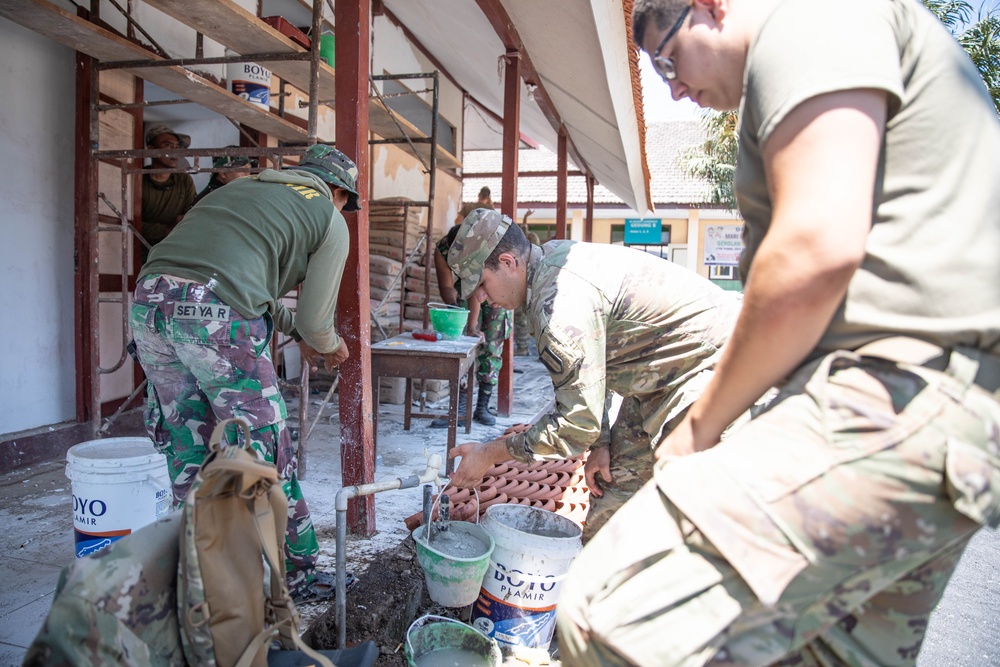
{"x": 310, "y": 355}
{"x": 337, "y": 357}
{"x": 472, "y": 467}
{"x": 599, "y": 461}
{"x": 330, "y": 359}
{"x": 680, "y": 442}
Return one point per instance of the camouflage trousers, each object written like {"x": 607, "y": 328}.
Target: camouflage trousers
{"x": 822, "y": 532}
{"x": 631, "y": 450}
{"x": 495, "y": 323}
{"x": 201, "y": 371}
{"x": 521, "y": 335}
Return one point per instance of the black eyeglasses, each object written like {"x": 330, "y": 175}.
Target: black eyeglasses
{"x": 665, "y": 66}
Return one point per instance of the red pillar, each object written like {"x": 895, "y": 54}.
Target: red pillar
{"x": 561, "y": 186}
{"x": 508, "y": 202}
{"x": 588, "y": 227}
{"x": 357, "y": 448}
{"x": 88, "y": 403}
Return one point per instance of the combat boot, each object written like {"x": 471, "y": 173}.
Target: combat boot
{"x": 482, "y": 414}
{"x": 462, "y": 404}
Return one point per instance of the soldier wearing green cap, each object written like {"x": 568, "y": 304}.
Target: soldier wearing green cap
{"x": 604, "y": 318}
{"x": 235, "y": 167}
{"x": 207, "y": 303}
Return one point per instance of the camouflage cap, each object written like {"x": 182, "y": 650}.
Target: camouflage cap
{"x": 476, "y": 240}
{"x": 333, "y": 167}
{"x": 152, "y": 133}
{"x": 231, "y": 161}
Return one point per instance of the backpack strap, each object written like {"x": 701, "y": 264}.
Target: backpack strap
{"x": 215, "y": 440}
{"x": 271, "y": 515}
{"x": 270, "y": 510}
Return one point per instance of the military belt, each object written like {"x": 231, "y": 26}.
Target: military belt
{"x": 977, "y": 366}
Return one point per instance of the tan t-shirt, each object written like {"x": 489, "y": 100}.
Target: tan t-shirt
{"x": 470, "y": 207}
{"x": 932, "y": 264}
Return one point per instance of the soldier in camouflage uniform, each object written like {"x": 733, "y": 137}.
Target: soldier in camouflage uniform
{"x": 206, "y": 305}
{"x": 493, "y": 323}
{"x": 825, "y": 530}
{"x": 606, "y": 318}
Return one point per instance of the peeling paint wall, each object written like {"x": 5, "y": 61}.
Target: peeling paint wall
{"x": 36, "y": 258}
{"x": 396, "y": 173}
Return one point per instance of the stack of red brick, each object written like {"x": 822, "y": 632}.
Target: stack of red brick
{"x": 557, "y": 486}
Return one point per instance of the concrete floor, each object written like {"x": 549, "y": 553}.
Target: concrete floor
{"x": 36, "y": 530}
{"x": 36, "y": 518}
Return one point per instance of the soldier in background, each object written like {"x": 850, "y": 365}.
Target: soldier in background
{"x": 493, "y": 325}
{"x": 484, "y": 200}
{"x": 521, "y": 335}
{"x": 166, "y": 196}
{"x": 604, "y": 318}
{"x": 220, "y": 178}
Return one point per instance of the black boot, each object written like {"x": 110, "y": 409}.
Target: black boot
{"x": 462, "y": 404}
{"x": 482, "y": 414}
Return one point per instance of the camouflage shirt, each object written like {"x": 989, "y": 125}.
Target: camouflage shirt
{"x": 608, "y": 317}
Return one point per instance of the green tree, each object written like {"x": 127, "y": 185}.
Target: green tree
{"x": 980, "y": 37}
{"x": 715, "y": 160}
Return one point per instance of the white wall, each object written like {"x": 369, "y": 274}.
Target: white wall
{"x": 37, "y": 360}
{"x": 393, "y": 53}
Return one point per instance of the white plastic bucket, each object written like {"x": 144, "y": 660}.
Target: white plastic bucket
{"x": 250, "y": 81}
{"x": 534, "y": 549}
{"x": 119, "y": 485}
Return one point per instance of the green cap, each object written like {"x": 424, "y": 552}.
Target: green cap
{"x": 476, "y": 240}
{"x": 333, "y": 167}
{"x": 230, "y": 161}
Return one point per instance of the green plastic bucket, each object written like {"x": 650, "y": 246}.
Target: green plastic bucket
{"x": 455, "y": 561}
{"x": 437, "y": 640}
{"x": 328, "y": 49}
{"x": 449, "y": 322}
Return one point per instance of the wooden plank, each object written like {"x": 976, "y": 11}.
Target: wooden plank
{"x": 234, "y": 27}
{"x": 53, "y": 22}
{"x": 117, "y": 130}
{"x": 118, "y": 85}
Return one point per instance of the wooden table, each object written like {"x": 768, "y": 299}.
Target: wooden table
{"x": 406, "y": 357}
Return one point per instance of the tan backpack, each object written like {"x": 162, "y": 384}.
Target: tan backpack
{"x": 234, "y": 512}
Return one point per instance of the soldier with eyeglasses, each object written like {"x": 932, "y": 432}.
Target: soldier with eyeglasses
{"x": 824, "y": 531}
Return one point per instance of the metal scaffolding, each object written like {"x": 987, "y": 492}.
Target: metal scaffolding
{"x": 128, "y": 226}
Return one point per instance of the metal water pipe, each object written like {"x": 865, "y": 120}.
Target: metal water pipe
{"x": 430, "y": 474}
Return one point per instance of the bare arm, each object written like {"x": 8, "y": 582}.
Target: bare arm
{"x": 474, "y": 307}
{"x": 446, "y": 279}
{"x": 822, "y": 189}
